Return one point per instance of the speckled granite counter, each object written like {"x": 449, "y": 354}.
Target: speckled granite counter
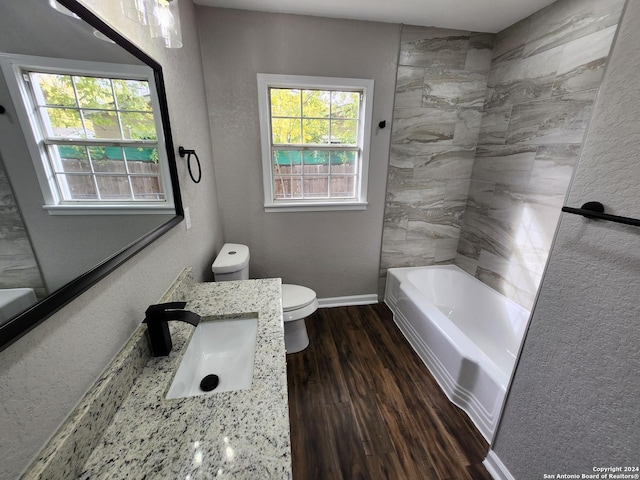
{"x": 227, "y": 435}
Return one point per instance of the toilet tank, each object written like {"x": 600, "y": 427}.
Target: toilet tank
{"x": 232, "y": 263}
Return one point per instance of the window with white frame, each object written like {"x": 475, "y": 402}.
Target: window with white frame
{"x": 315, "y": 134}
{"x": 94, "y": 132}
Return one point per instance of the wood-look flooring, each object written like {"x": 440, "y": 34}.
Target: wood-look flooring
{"x": 363, "y": 406}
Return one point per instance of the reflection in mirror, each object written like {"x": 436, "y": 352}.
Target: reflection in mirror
{"x": 87, "y": 172}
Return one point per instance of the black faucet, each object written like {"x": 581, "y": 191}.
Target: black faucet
{"x": 156, "y": 318}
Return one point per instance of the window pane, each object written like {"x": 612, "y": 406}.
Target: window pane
{"x": 285, "y": 102}
{"x": 142, "y": 160}
{"x": 345, "y": 104}
{"x": 316, "y": 187}
{"x": 107, "y": 159}
{"x": 113, "y": 187}
{"x": 72, "y": 158}
{"x": 286, "y": 131}
{"x": 147, "y": 188}
{"x": 316, "y": 103}
{"x": 62, "y": 122}
{"x": 94, "y": 92}
{"x": 287, "y": 162}
{"x": 288, "y": 187}
{"x": 76, "y": 187}
{"x": 54, "y": 89}
{"x": 132, "y": 94}
{"x": 344, "y": 131}
{"x": 316, "y": 161}
{"x": 315, "y": 131}
{"x": 343, "y": 186}
{"x": 101, "y": 124}
{"x": 343, "y": 162}
{"x": 138, "y": 126}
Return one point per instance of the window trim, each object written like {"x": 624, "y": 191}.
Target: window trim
{"x": 266, "y": 81}
{"x": 12, "y": 66}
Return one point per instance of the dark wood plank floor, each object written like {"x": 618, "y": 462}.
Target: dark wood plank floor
{"x": 364, "y": 406}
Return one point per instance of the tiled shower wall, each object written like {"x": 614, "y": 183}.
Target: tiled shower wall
{"x": 485, "y": 137}
{"x": 543, "y": 81}
{"x": 18, "y": 267}
{"x": 440, "y": 92}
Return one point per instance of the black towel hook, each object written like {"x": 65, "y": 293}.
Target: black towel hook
{"x": 182, "y": 152}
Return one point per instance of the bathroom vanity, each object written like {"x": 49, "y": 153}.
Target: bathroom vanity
{"x": 126, "y": 428}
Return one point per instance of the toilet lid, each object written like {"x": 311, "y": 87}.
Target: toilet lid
{"x": 296, "y": 296}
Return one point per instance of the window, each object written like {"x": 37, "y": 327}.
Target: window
{"x": 95, "y": 134}
{"x": 315, "y": 141}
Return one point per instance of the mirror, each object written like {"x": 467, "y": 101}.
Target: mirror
{"x": 57, "y": 257}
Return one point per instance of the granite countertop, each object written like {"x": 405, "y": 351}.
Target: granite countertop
{"x": 228, "y": 435}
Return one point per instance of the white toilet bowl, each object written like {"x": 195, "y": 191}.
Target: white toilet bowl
{"x": 297, "y": 303}
{"x": 232, "y": 263}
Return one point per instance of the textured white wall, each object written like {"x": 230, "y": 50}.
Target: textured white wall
{"x": 46, "y": 372}
{"x": 335, "y": 253}
{"x": 574, "y": 400}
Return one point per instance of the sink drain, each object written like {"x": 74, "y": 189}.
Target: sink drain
{"x": 209, "y": 382}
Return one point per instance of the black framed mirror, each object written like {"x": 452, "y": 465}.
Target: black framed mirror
{"x": 56, "y": 242}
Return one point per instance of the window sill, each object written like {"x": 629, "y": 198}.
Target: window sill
{"x": 314, "y": 206}
{"x": 110, "y": 209}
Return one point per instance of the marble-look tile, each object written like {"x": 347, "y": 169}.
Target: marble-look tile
{"x": 419, "y": 230}
{"x": 19, "y": 270}
{"x": 508, "y": 278}
{"x": 553, "y": 168}
{"x": 562, "y": 22}
{"x": 510, "y": 42}
{"x": 583, "y": 62}
{"x": 509, "y": 164}
{"x": 480, "y": 52}
{"x": 421, "y": 126}
{"x": 561, "y": 119}
{"x": 467, "y": 264}
{"x": 6, "y": 194}
{"x": 467, "y": 127}
{"x": 433, "y": 47}
{"x": 456, "y": 194}
{"x": 494, "y": 125}
{"x": 523, "y": 79}
{"x": 444, "y": 163}
{"x": 446, "y": 251}
{"x": 486, "y": 234}
{"x": 409, "y": 86}
{"x": 469, "y": 244}
{"x": 410, "y": 253}
{"x": 453, "y": 89}
{"x": 427, "y": 194}
{"x": 480, "y": 195}
{"x": 400, "y": 165}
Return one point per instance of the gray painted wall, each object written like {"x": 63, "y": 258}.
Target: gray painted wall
{"x": 440, "y": 92}
{"x": 335, "y": 253}
{"x": 46, "y": 372}
{"x": 573, "y": 404}
{"x": 544, "y": 77}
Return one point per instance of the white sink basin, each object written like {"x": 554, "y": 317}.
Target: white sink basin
{"x": 224, "y": 348}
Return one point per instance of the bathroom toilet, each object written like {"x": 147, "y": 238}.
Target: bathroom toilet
{"x": 298, "y": 302}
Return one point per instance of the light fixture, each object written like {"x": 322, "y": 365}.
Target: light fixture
{"x": 166, "y": 25}
{"x": 160, "y": 16}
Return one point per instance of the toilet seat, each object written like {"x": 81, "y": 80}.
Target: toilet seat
{"x": 297, "y": 302}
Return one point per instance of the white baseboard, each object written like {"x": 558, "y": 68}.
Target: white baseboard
{"x": 348, "y": 301}
{"x": 496, "y": 468}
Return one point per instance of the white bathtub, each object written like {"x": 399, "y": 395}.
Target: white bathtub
{"x": 464, "y": 331}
